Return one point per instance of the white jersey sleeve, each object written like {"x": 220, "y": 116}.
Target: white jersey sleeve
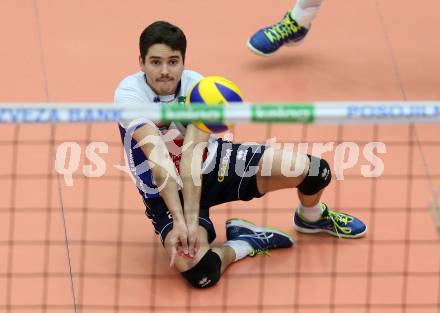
{"x": 130, "y": 92}
{"x": 189, "y": 79}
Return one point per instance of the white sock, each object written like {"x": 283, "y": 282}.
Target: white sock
{"x": 240, "y": 247}
{"x": 311, "y": 214}
{"x": 305, "y": 11}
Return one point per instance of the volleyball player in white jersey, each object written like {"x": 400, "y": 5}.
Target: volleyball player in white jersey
{"x": 164, "y": 158}
{"x": 181, "y": 217}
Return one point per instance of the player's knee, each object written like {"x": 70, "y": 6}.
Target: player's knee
{"x": 317, "y": 178}
{"x": 206, "y": 273}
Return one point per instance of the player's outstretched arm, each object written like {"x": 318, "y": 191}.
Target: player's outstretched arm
{"x": 166, "y": 178}
{"x": 191, "y": 172}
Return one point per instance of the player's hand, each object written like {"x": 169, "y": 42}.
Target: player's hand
{"x": 193, "y": 238}
{"x": 178, "y": 241}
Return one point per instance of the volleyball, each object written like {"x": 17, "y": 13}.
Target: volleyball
{"x": 213, "y": 91}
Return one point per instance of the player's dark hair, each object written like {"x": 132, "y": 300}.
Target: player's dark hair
{"x": 164, "y": 33}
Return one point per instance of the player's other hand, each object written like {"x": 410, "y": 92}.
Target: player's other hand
{"x": 178, "y": 241}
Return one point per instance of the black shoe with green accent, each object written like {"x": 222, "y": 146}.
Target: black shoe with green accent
{"x": 268, "y": 40}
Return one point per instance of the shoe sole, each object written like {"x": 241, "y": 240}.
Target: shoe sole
{"x": 258, "y": 52}
{"x": 252, "y": 226}
{"x": 318, "y": 230}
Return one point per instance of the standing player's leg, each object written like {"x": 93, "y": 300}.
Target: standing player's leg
{"x": 290, "y": 30}
{"x": 310, "y": 175}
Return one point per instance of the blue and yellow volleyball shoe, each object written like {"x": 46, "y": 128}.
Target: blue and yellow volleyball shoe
{"x": 261, "y": 239}
{"x": 334, "y": 223}
{"x": 268, "y": 40}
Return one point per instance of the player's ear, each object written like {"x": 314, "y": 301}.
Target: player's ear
{"x": 141, "y": 62}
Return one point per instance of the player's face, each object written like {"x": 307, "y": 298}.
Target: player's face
{"x": 163, "y": 68}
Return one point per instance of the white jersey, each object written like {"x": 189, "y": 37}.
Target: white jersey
{"x": 133, "y": 90}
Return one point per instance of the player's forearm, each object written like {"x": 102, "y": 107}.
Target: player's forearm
{"x": 191, "y": 173}
{"x": 167, "y": 180}
{"x": 191, "y": 197}
{"x": 168, "y": 190}
{"x": 162, "y": 167}
{"x": 195, "y": 143}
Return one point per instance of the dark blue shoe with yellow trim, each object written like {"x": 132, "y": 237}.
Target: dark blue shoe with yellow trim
{"x": 334, "y": 223}
{"x": 261, "y": 239}
{"x": 268, "y": 40}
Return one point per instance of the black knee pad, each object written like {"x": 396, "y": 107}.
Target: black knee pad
{"x": 206, "y": 273}
{"x": 318, "y": 176}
